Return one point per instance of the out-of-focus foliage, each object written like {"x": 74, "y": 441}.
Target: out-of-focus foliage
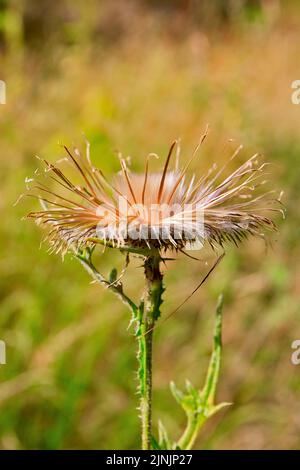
{"x": 133, "y": 76}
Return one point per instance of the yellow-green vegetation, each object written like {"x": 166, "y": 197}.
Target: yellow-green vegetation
{"x": 133, "y": 78}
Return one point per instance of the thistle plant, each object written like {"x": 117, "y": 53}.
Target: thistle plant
{"x": 153, "y": 216}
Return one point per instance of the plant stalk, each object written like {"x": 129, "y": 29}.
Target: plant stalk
{"x": 189, "y": 436}
{"x": 146, "y": 396}
{"x": 148, "y": 315}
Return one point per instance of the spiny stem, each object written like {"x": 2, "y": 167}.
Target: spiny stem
{"x": 146, "y": 391}
{"x": 147, "y": 319}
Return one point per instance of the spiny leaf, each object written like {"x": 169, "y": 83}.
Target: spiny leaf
{"x": 192, "y": 391}
{"x": 177, "y": 394}
{"x": 214, "y": 409}
{"x": 157, "y": 291}
{"x": 199, "y": 405}
{"x": 190, "y": 401}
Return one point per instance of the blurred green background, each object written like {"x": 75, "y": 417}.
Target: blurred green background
{"x": 133, "y": 76}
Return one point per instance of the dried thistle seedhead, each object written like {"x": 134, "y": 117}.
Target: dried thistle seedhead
{"x": 161, "y": 210}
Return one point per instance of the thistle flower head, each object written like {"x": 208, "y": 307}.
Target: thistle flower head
{"x": 151, "y": 210}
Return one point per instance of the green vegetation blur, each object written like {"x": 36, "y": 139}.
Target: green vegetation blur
{"x": 132, "y": 76}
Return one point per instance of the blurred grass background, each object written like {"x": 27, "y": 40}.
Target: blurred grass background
{"x": 133, "y": 76}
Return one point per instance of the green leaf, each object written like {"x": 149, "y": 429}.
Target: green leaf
{"x": 163, "y": 439}
{"x": 113, "y": 275}
{"x": 177, "y": 394}
{"x": 192, "y": 392}
{"x": 157, "y": 291}
{"x": 190, "y": 401}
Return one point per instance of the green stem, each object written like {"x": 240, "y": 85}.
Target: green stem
{"x": 189, "y": 436}
{"x": 146, "y": 396}
{"x": 149, "y": 313}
